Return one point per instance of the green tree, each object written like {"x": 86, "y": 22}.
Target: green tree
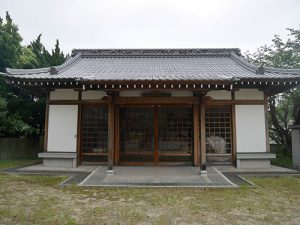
{"x": 40, "y": 52}
{"x": 10, "y": 43}
{"x": 24, "y": 112}
{"x": 57, "y": 57}
{"x": 284, "y": 109}
{"x": 28, "y": 59}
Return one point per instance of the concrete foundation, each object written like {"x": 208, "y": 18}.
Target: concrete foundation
{"x": 58, "y": 159}
{"x": 296, "y": 145}
{"x": 254, "y": 160}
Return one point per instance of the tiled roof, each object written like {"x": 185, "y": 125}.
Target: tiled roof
{"x": 155, "y": 64}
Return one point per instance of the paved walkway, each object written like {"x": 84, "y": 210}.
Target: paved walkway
{"x": 157, "y": 176}
{"x": 270, "y": 170}
{"x": 187, "y": 176}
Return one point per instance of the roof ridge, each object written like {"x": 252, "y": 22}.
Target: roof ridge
{"x": 185, "y": 52}
{"x": 243, "y": 62}
{"x": 70, "y": 61}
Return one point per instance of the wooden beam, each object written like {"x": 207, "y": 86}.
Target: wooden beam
{"x": 76, "y": 102}
{"x": 155, "y": 100}
{"x": 202, "y": 136}
{"x": 196, "y": 114}
{"x": 234, "y": 102}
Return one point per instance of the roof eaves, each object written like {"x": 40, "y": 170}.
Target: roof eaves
{"x": 27, "y": 71}
{"x": 260, "y": 69}
{"x": 282, "y": 71}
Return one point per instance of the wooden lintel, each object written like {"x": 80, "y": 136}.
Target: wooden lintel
{"x": 156, "y": 100}
{"x": 77, "y": 102}
{"x": 234, "y": 102}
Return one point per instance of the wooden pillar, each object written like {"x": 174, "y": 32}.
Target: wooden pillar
{"x": 202, "y": 136}
{"x": 233, "y": 130}
{"x": 267, "y": 122}
{"x": 196, "y": 114}
{"x": 233, "y": 133}
{"x": 111, "y": 132}
{"x": 46, "y": 122}
{"x": 78, "y": 136}
{"x": 155, "y": 121}
{"x": 117, "y": 135}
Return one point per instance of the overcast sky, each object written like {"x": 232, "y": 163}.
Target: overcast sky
{"x": 153, "y": 23}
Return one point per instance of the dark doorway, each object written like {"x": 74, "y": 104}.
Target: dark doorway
{"x": 156, "y": 134}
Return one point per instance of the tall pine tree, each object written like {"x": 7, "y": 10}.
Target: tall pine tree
{"x": 10, "y": 43}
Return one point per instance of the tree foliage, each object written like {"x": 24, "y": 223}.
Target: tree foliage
{"x": 23, "y": 113}
{"x": 10, "y": 43}
{"x": 284, "y": 109}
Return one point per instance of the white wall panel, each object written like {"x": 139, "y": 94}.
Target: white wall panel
{"x": 64, "y": 94}
{"x": 249, "y": 94}
{"x": 62, "y": 128}
{"x": 250, "y": 128}
{"x": 220, "y": 95}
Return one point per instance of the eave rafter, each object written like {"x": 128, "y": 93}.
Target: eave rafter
{"x": 42, "y": 86}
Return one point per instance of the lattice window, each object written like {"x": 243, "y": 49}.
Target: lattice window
{"x": 175, "y": 134}
{"x": 137, "y": 134}
{"x": 218, "y": 130}
{"x": 175, "y": 130}
{"x": 94, "y": 133}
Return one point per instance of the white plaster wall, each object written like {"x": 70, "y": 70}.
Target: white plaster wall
{"x": 64, "y": 94}
{"x": 62, "y": 128}
{"x": 92, "y": 95}
{"x": 250, "y": 128}
{"x": 249, "y": 94}
{"x": 220, "y": 95}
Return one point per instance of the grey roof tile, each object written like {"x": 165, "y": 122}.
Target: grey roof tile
{"x": 154, "y": 64}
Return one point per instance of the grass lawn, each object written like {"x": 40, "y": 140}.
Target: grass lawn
{"x": 38, "y": 200}
{"x": 5, "y": 164}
